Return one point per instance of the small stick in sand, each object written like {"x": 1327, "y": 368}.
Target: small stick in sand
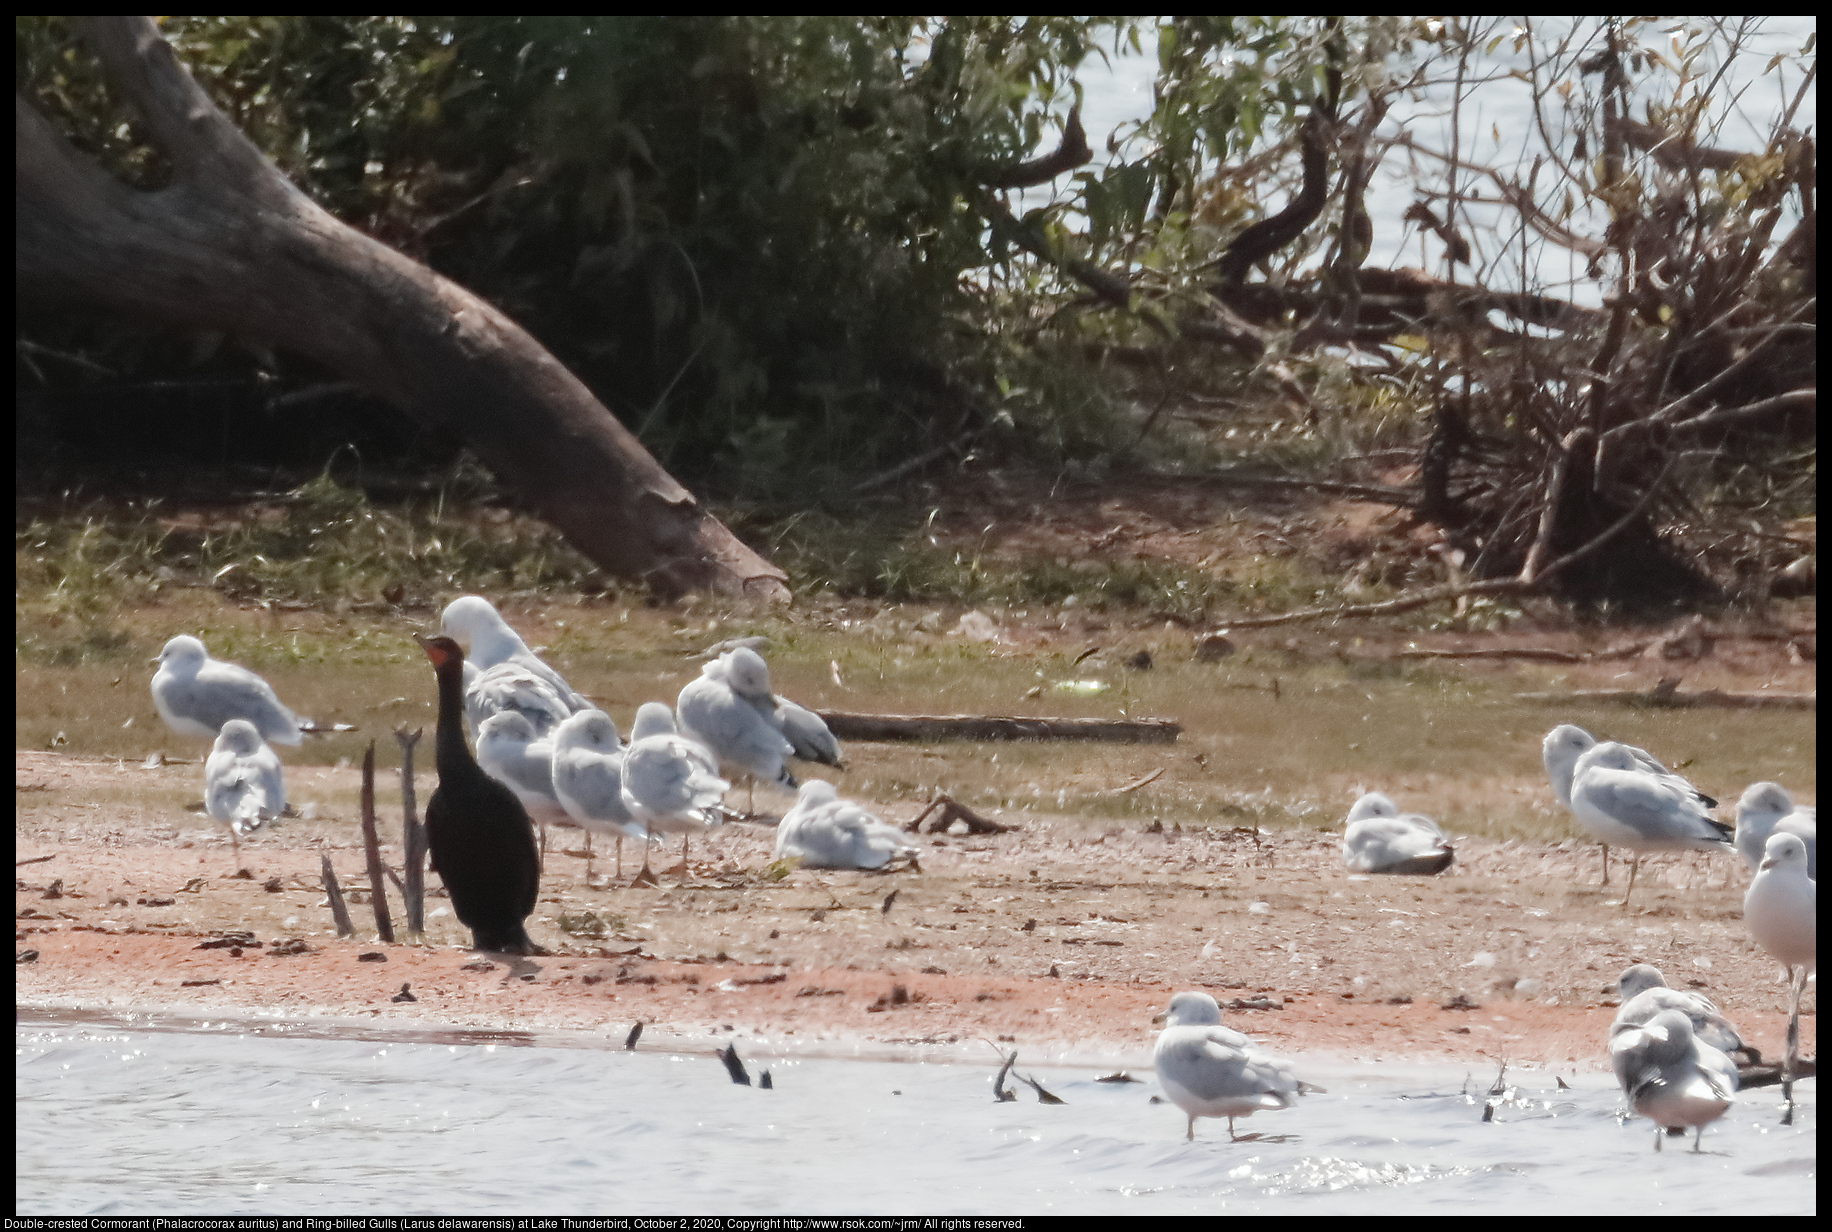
{"x": 372, "y": 850}
{"x": 340, "y": 914}
{"x": 629, "y": 1041}
{"x": 413, "y": 839}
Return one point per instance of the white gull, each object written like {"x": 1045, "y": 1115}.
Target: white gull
{"x": 1209, "y": 1070}
{"x": 243, "y": 786}
{"x": 1623, "y": 804}
{"x": 823, "y": 831}
{"x": 588, "y": 780}
{"x": 1670, "y": 1076}
{"x": 487, "y": 639}
{"x": 1378, "y": 838}
{"x": 1765, "y": 809}
{"x": 196, "y": 695}
{"x": 670, "y": 782}
{"x": 1780, "y": 911}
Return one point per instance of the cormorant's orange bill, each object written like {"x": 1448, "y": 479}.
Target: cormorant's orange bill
{"x": 441, "y": 650}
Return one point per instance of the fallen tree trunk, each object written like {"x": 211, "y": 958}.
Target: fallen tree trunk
{"x": 876, "y": 727}
{"x": 231, "y": 244}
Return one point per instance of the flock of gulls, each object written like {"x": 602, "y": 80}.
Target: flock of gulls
{"x": 538, "y": 752}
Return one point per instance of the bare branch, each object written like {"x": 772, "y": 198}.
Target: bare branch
{"x": 1793, "y": 400}
{"x": 1071, "y": 152}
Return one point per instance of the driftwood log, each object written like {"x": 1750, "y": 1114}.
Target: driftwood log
{"x": 1669, "y": 699}
{"x": 1534, "y": 653}
{"x": 231, "y": 244}
{"x": 888, "y": 727}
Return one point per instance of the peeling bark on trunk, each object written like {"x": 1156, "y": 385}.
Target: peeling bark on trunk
{"x": 232, "y": 245}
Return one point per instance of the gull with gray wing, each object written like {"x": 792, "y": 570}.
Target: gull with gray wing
{"x": 1378, "y": 838}
{"x": 824, "y": 831}
{"x": 1765, "y": 809}
{"x": 1623, "y": 804}
{"x": 670, "y": 782}
{"x": 1208, "y": 1070}
{"x": 1670, "y": 1076}
{"x": 588, "y": 781}
{"x": 243, "y": 785}
{"x": 713, "y": 713}
{"x": 1565, "y": 744}
{"x": 1645, "y": 993}
{"x": 475, "y": 624}
{"x": 196, "y": 695}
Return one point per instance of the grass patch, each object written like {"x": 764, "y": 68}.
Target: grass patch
{"x": 1460, "y": 749}
{"x": 79, "y": 565}
{"x": 888, "y": 560}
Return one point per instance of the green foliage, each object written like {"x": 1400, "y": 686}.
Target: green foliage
{"x": 751, "y": 236}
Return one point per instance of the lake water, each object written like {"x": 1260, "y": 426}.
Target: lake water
{"x": 1497, "y": 130}
{"x": 230, "y": 1118}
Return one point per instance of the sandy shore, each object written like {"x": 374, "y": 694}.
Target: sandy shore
{"x": 1054, "y": 938}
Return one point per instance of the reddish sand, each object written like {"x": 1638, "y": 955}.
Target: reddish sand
{"x": 1049, "y": 937}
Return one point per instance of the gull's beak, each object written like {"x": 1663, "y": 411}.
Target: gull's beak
{"x": 1158, "y": 1020}
{"x": 1768, "y": 862}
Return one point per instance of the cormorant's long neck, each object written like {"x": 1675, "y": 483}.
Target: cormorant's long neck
{"x": 451, "y": 752}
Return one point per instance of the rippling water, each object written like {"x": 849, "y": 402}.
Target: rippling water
{"x": 223, "y": 1120}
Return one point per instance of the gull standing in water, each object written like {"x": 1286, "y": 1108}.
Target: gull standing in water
{"x": 1621, "y": 803}
{"x": 1766, "y": 809}
{"x": 1378, "y": 838}
{"x": 1780, "y": 911}
{"x": 1645, "y": 994}
{"x": 713, "y": 713}
{"x": 488, "y": 641}
{"x": 243, "y": 786}
{"x": 1210, "y": 1071}
{"x": 588, "y": 780}
{"x": 670, "y": 783}
{"x": 1670, "y": 1076}
{"x": 196, "y": 695}
{"x": 824, "y": 831}
{"x": 1565, "y": 744}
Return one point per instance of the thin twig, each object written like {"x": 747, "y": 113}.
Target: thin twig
{"x": 413, "y": 838}
{"x": 340, "y": 914}
{"x": 372, "y": 850}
